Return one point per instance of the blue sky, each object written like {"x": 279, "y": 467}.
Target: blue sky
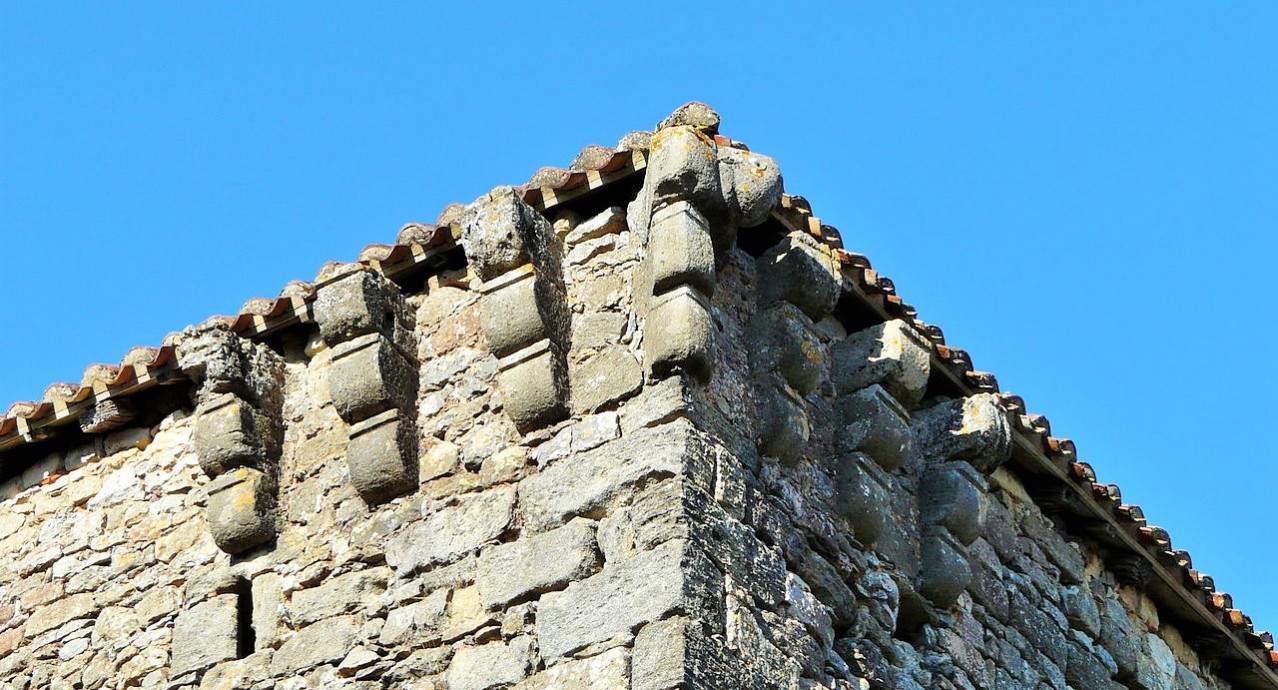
{"x": 1081, "y": 195}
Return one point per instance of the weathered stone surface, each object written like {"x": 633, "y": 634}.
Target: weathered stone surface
{"x": 382, "y": 456}
{"x": 787, "y": 342}
{"x": 241, "y": 510}
{"x": 679, "y": 335}
{"x": 607, "y": 670}
{"x": 533, "y": 386}
{"x": 801, "y": 271}
{"x": 945, "y": 572}
{"x": 491, "y": 665}
{"x": 510, "y": 573}
{"x": 863, "y": 496}
{"x": 511, "y": 312}
{"x": 50, "y": 616}
{"x": 496, "y": 229}
{"x": 783, "y": 428}
{"x": 592, "y": 480}
{"x": 419, "y": 621}
{"x": 683, "y": 166}
{"x": 361, "y": 303}
{"x": 342, "y": 594}
{"x": 605, "y": 378}
{"x": 453, "y": 531}
{"x": 325, "y": 641}
{"x": 230, "y": 433}
{"x": 973, "y": 429}
{"x": 680, "y": 249}
{"x": 952, "y": 496}
{"x": 891, "y": 354}
{"x": 619, "y": 599}
{"x": 752, "y": 184}
{"x": 693, "y": 114}
{"x": 369, "y": 375}
{"x": 205, "y": 634}
{"x": 876, "y": 424}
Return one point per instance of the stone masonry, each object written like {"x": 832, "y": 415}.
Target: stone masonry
{"x": 647, "y": 437}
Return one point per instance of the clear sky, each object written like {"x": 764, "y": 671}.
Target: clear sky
{"x": 1081, "y": 194}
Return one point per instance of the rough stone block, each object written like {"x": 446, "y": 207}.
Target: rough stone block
{"x": 219, "y": 361}
{"x": 864, "y": 495}
{"x": 229, "y": 434}
{"x": 344, "y": 593}
{"x": 944, "y": 572}
{"x": 533, "y": 386}
{"x": 660, "y": 402}
{"x": 801, "y": 271}
{"x": 623, "y": 596}
{"x": 611, "y": 375}
{"x": 953, "y": 496}
{"x": 1081, "y": 611}
{"x": 603, "y": 671}
{"x": 510, "y": 312}
{"x": 974, "y": 428}
{"x": 205, "y": 634}
{"x": 452, "y": 532}
{"x": 106, "y": 415}
{"x": 418, "y": 621}
{"x": 876, "y": 424}
{"x": 679, "y": 333}
{"x": 680, "y": 249}
{"x": 782, "y": 422}
{"x": 323, "y": 642}
{"x": 382, "y": 456}
{"x": 54, "y": 614}
{"x": 360, "y": 303}
{"x": 241, "y": 509}
{"x": 785, "y": 341}
{"x": 891, "y": 354}
{"x": 511, "y": 573}
{"x": 585, "y": 482}
{"x": 493, "y": 665}
{"x": 683, "y": 166}
{"x": 369, "y": 375}
{"x": 751, "y": 183}
{"x": 496, "y": 230}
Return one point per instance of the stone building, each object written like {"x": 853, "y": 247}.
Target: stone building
{"x": 642, "y": 423}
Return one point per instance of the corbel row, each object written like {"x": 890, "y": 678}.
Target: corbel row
{"x": 879, "y": 374}
{"x": 524, "y": 311}
{"x": 798, "y": 286}
{"x": 238, "y": 431}
{"x": 696, "y": 194}
{"x": 962, "y": 442}
{"x": 364, "y": 318}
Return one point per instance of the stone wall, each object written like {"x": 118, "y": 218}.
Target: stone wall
{"x": 617, "y": 450}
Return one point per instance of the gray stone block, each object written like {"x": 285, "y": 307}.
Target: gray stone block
{"x": 785, "y": 341}
{"x": 782, "y": 422}
{"x": 493, "y": 665}
{"x": 605, "y": 378}
{"x": 891, "y": 354}
{"x": 228, "y": 434}
{"x": 219, "y": 361}
{"x": 322, "y": 642}
{"x": 346, "y": 593}
{"x": 625, "y": 595}
{"x": 106, "y": 415}
{"x": 864, "y": 495}
{"x": 586, "y": 482}
{"x": 944, "y": 571}
{"x": 683, "y": 166}
{"x": 452, "y": 532}
{"x": 679, "y": 334}
{"x": 680, "y": 249}
{"x": 803, "y": 272}
{"x": 495, "y": 229}
{"x": 362, "y": 302}
{"x": 512, "y": 573}
{"x": 751, "y": 183}
{"x": 369, "y": 375}
{"x": 382, "y": 456}
{"x": 205, "y": 634}
{"x": 974, "y": 428}
{"x": 876, "y": 424}
{"x": 510, "y": 311}
{"x": 533, "y": 386}
{"x": 660, "y": 402}
{"x": 952, "y": 495}
{"x": 1080, "y": 608}
{"x": 241, "y": 509}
